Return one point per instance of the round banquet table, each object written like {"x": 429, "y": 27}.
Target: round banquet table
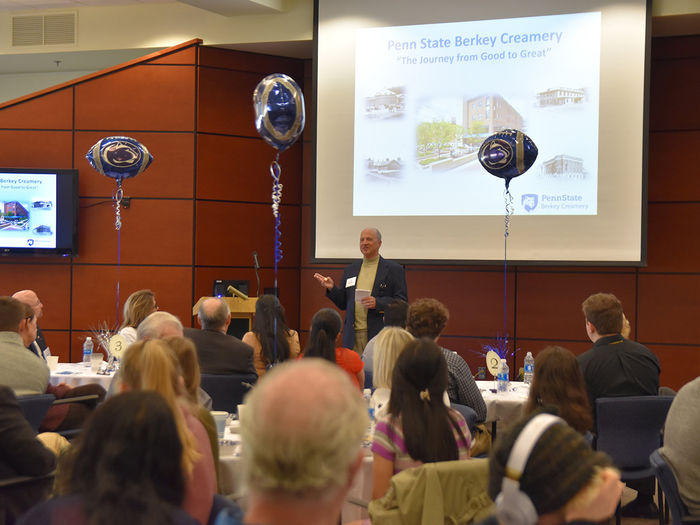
{"x": 76, "y": 374}
{"x": 503, "y": 408}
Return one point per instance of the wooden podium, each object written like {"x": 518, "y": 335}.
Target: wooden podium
{"x": 242, "y": 312}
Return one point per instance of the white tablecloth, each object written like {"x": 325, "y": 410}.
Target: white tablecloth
{"x": 229, "y": 467}
{"x": 504, "y": 408}
{"x": 76, "y": 374}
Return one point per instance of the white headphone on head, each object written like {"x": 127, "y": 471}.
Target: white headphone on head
{"x": 513, "y": 506}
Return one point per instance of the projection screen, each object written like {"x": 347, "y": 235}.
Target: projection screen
{"x": 406, "y": 92}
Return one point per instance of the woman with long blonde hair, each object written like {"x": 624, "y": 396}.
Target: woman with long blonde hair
{"x": 388, "y": 346}
{"x": 137, "y": 307}
{"x": 152, "y": 365}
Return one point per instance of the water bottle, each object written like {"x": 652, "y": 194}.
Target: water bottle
{"x": 503, "y": 372}
{"x": 87, "y": 352}
{"x": 529, "y": 368}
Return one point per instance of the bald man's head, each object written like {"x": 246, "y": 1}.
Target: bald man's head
{"x": 214, "y": 314}
{"x": 307, "y": 431}
{"x": 29, "y": 297}
{"x": 159, "y": 325}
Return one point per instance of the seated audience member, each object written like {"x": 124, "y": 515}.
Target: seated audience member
{"x": 325, "y": 332}
{"x": 299, "y": 464}
{"x": 121, "y": 470}
{"x": 428, "y": 318}
{"x": 272, "y": 341}
{"x": 23, "y": 453}
{"x": 26, "y": 373}
{"x": 31, "y": 299}
{"x": 558, "y": 382}
{"x": 616, "y": 367}
{"x": 155, "y": 326}
{"x": 137, "y": 307}
{"x": 158, "y": 325}
{"x": 418, "y": 427}
{"x": 560, "y": 479}
{"x": 680, "y": 448}
{"x": 390, "y": 342}
{"x": 186, "y": 355}
{"x": 395, "y": 314}
{"x": 152, "y": 365}
{"x": 219, "y": 353}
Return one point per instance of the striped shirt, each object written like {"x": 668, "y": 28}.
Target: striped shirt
{"x": 388, "y": 441}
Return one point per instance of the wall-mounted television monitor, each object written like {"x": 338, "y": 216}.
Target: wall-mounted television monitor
{"x": 38, "y": 211}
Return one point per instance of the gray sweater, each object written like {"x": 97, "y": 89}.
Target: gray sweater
{"x": 681, "y": 449}
{"x": 23, "y": 371}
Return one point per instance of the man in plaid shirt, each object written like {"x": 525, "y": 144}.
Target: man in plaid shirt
{"x": 428, "y": 318}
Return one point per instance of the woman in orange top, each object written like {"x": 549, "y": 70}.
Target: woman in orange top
{"x": 325, "y": 332}
{"x": 270, "y": 338}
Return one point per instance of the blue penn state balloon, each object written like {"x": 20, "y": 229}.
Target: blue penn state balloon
{"x": 507, "y": 154}
{"x": 279, "y": 110}
{"x": 119, "y": 157}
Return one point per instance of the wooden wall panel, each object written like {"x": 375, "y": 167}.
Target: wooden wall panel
{"x": 674, "y": 178}
{"x": 313, "y": 296}
{"x": 95, "y": 291}
{"x": 51, "y": 282}
{"x": 227, "y": 234}
{"x": 36, "y": 149}
{"x": 153, "y": 231}
{"x": 170, "y": 175}
{"x": 474, "y": 298}
{"x": 668, "y": 309}
{"x": 674, "y": 92}
{"x": 679, "y": 364}
{"x": 139, "y": 98}
{"x": 238, "y": 169}
{"x": 549, "y": 304}
{"x": 50, "y": 111}
{"x": 262, "y": 65}
{"x": 58, "y": 342}
{"x": 307, "y": 195}
{"x": 672, "y": 237}
{"x": 187, "y": 56}
{"x": 226, "y": 102}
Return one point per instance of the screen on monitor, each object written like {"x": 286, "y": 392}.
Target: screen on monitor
{"x": 408, "y": 91}
{"x": 38, "y": 211}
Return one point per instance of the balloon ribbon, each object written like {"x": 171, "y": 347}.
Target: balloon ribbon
{"x": 117, "y": 197}
{"x": 276, "y": 172}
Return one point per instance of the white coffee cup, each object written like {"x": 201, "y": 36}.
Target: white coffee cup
{"x": 220, "y": 419}
{"x": 52, "y": 361}
{"x": 96, "y": 362}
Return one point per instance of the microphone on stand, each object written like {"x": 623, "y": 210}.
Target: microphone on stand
{"x": 256, "y": 265}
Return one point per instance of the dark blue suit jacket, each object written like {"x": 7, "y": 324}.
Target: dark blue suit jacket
{"x": 389, "y": 284}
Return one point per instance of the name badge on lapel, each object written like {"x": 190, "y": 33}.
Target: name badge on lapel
{"x": 350, "y": 282}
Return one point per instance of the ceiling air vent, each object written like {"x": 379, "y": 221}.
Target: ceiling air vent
{"x": 43, "y": 30}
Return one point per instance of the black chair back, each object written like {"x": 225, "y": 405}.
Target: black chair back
{"x": 668, "y": 483}
{"x": 629, "y": 428}
{"x": 34, "y": 407}
{"x": 227, "y": 390}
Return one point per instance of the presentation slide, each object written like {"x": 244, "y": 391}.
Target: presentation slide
{"x": 426, "y": 97}
{"x": 27, "y": 210}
